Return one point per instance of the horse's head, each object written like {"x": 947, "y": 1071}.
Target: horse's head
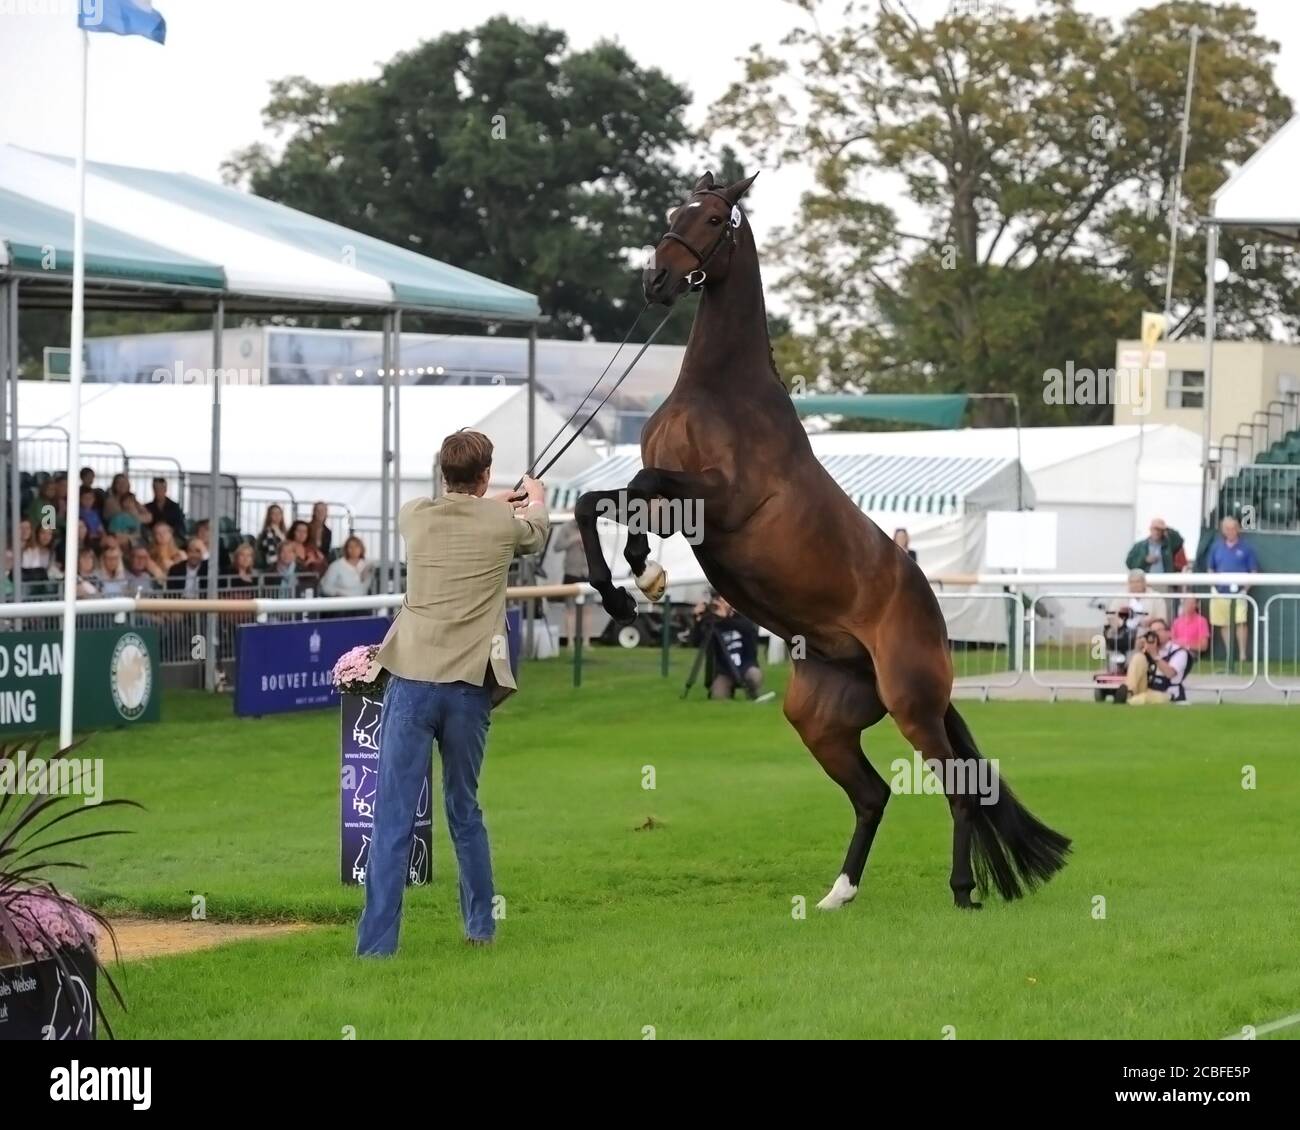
{"x": 700, "y": 241}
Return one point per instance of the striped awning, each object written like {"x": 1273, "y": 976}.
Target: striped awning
{"x": 908, "y": 484}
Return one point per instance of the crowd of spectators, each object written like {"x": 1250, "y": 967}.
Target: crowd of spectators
{"x": 126, "y": 548}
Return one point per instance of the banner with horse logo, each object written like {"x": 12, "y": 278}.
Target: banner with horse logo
{"x": 359, "y": 776}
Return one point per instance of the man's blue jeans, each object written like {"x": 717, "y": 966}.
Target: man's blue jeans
{"x": 456, "y": 716}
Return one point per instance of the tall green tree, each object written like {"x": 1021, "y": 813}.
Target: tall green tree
{"x": 1037, "y": 156}
{"x": 499, "y": 150}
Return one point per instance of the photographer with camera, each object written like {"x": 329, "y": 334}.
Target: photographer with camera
{"x": 1157, "y": 670}
{"x": 732, "y": 643}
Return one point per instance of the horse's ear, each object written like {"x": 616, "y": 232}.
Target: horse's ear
{"x": 734, "y": 192}
{"x": 706, "y": 181}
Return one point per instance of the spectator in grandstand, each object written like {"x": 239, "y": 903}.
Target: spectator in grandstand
{"x": 242, "y": 574}
{"x": 1142, "y": 604}
{"x": 190, "y": 576}
{"x": 286, "y": 575}
{"x": 112, "y": 575}
{"x": 348, "y": 575}
{"x": 1191, "y": 630}
{"x": 89, "y": 515}
{"x": 318, "y": 533}
{"x": 112, "y": 502}
{"x": 164, "y": 551}
{"x": 38, "y": 552}
{"x": 130, "y": 519}
{"x": 144, "y": 574}
{"x": 203, "y": 531}
{"x": 27, "y": 542}
{"x": 87, "y": 482}
{"x": 1231, "y": 554}
{"x": 87, "y": 576}
{"x": 310, "y": 557}
{"x": 903, "y": 540}
{"x": 1161, "y": 551}
{"x": 164, "y": 509}
{"x": 272, "y": 535}
{"x": 44, "y": 508}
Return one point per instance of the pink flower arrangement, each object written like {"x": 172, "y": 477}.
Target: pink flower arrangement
{"x": 356, "y": 671}
{"x": 41, "y": 917}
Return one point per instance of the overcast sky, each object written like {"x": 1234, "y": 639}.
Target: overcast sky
{"x": 188, "y": 105}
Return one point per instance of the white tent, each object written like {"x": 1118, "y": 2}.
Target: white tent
{"x": 941, "y": 498}
{"x": 318, "y": 443}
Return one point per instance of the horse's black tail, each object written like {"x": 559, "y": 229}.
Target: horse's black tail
{"x": 1011, "y": 849}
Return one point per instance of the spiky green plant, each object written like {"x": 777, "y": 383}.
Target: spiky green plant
{"x": 30, "y": 900}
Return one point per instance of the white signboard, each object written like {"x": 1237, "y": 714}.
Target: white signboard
{"x": 1021, "y": 540}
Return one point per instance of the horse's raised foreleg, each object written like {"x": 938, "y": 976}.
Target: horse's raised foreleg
{"x": 830, "y": 704}
{"x": 662, "y": 502}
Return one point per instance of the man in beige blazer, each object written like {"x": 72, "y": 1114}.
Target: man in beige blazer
{"x": 449, "y": 665}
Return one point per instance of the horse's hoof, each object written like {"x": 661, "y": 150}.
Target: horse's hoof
{"x": 963, "y": 901}
{"x": 621, "y": 607}
{"x": 842, "y": 893}
{"x": 653, "y": 580}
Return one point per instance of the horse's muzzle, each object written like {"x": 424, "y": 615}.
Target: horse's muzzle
{"x": 658, "y": 285}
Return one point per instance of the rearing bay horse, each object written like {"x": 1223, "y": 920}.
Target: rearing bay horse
{"x": 788, "y": 548}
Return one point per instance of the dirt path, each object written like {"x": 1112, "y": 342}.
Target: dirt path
{"x": 139, "y": 938}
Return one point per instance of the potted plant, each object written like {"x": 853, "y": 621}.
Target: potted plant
{"x": 360, "y": 682}
{"x": 50, "y": 945}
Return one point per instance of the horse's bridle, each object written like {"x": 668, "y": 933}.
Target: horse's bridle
{"x": 727, "y": 235}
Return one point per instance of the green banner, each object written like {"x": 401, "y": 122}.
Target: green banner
{"x": 932, "y": 410}
{"x": 117, "y": 680}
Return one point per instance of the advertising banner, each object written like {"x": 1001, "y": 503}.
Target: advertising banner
{"x": 117, "y": 679}
{"x": 359, "y": 775}
{"x": 283, "y": 667}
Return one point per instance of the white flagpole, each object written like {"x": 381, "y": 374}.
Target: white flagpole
{"x": 73, "y": 514}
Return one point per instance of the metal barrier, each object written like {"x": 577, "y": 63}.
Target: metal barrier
{"x": 1282, "y": 628}
{"x": 1062, "y": 658}
{"x": 1062, "y": 655}
{"x": 980, "y": 659}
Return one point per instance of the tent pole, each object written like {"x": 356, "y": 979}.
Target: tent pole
{"x": 383, "y": 466}
{"x": 1020, "y": 467}
{"x": 214, "y": 497}
{"x": 1207, "y": 395}
{"x": 532, "y": 393}
{"x": 397, "y": 450}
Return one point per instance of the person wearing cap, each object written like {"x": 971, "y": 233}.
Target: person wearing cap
{"x": 1161, "y": 551}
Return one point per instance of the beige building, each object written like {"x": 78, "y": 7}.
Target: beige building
{"x": 1247, "y": 376}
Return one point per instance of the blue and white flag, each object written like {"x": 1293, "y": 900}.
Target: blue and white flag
{"x": 122, "y": 17}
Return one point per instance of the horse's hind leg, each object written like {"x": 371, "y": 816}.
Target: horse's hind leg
{"x": 920, "y": 719}
{"x": 830, "y": 705}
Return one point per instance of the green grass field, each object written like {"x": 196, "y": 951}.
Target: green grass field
{"x": 688, "y": 927}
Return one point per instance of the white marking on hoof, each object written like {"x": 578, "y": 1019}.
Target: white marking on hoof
{"x": 653, "y": 580}
{"x": 842, "y": 892}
